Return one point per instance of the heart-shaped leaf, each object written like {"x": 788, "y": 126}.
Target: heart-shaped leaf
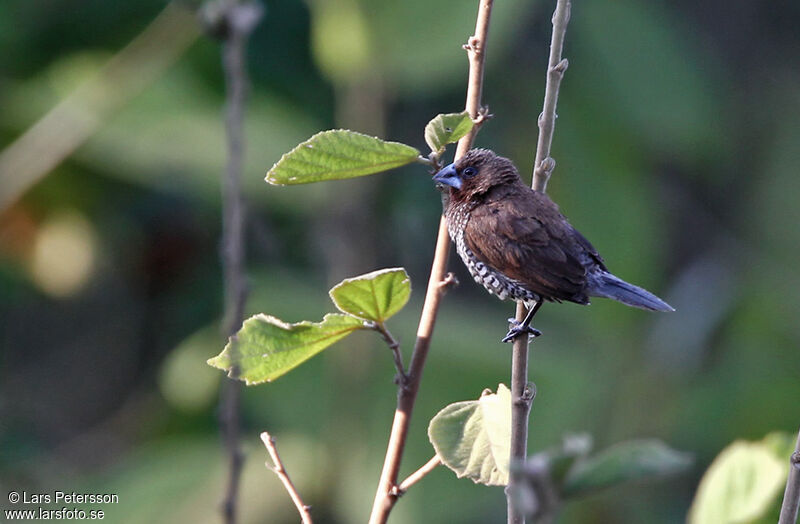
{"x": 473, "y": 438}
{"x": 266, "y": 347}
{"x": 624, "y": 462}
{"x": 375, "y": 296}
{"x": 446, "y": 129}
{"x": 339, "y": 154}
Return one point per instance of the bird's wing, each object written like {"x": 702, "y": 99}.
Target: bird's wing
{"x": 524, "y": 236}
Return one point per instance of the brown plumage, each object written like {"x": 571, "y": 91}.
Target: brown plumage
{"x": 516, "y": 242}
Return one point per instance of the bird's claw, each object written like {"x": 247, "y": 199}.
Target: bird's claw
{"x": 517, "y": 330}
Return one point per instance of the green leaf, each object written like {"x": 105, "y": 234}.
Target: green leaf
{"x": 266, "y": 347}
{"x": 473, "y": 437}
{"x": 375, "y": 296}
{"x": 624, "y": 462}
{"x": 741, "y": 485}
{"x": 447, "y": 129}
{"x": 339, "y": 154}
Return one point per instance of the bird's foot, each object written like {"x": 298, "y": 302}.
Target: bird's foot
{"x": 517, "y": 329}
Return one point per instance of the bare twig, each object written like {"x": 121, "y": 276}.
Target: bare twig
{"x": 791, "y": 496}
{"x": 544, "y": 165}
{"x": 384, "y": 497}
{"x": 277, "y": 467}
{"x": 418, "y": 475}
{"x": 77, "y": 116}
{"x": 233, "y": 22}
{"x": 522, "y": 393}
{"x": 448, "y": 282}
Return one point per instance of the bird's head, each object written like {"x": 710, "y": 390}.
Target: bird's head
{"x": 476, "y": 173}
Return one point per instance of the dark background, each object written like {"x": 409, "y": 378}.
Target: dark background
{"x": 677, "y": 145}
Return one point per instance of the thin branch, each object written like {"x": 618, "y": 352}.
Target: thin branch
{"x": 384, "y": 498}
{"x": 229, "y": 426}
{"x": 234, "y": 22}
{"x": 418, "y": 475}
{"x": 522, "y": 393}
{"x": 277, "y": 467}
{"x": 544, "y": 165}
{"x": 791, "y": 496}
{"x": 394, "y": 346}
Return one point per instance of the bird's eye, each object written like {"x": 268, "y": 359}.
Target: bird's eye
{"x": 470, "y": 171}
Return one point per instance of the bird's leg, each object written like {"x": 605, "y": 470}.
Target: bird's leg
{"x": 519, "y": 328}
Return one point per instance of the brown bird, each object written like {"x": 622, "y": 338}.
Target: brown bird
{"x": 518, "y": 245}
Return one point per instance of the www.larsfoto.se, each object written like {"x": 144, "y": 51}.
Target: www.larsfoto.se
{"x": 54, "y": 514}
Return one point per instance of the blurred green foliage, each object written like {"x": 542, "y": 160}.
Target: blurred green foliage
{"x": 745, "y": 483}
{"x": 677, "y": 151}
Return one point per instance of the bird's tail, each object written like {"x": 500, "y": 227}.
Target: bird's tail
{"x": 608, "y": 286}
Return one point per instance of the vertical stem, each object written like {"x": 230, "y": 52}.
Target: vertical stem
{"x": 791, "y": 496}
{"x": 521, "y": 400}
{"x": 238, "y": 20}
{"x": 407, "y": 394}
{"x": 522, "y": 392}
{"x": 233, "y": 258}
{"x": 385, "y": 496}
{"x": 233, "y": 205}
{"x": 543, "y": 165}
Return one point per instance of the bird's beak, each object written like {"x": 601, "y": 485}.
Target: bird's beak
{"x": 448, "y": 176}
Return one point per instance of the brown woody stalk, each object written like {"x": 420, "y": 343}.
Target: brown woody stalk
{"x": 386, "y": 495}
{"x": 283, "y": 475}
{"x": 522, "y": 392}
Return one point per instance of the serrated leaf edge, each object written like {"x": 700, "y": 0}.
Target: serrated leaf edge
{"x": 309, "y": 142}
{"x": 438, "y": 121}
{"x": 371, "y": 276}
{"x": 287, "y": 326}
